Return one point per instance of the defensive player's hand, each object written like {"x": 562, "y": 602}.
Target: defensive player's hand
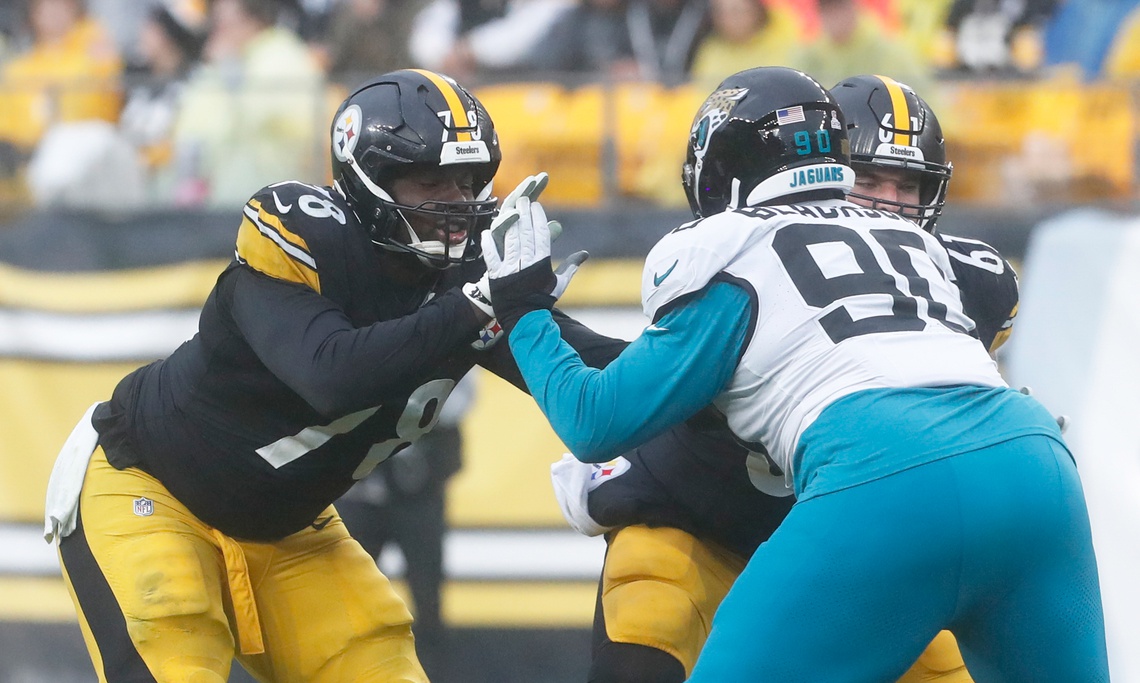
{"x": 479, "y": 293}
{"x": 566, "y": 271}
{"x": 517, "y": 239}
{"x": 517, "y": 252}
{"x": 531, "y": 187}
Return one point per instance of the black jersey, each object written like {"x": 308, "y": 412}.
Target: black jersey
{"x": 697, "y": 478}
{"x": 988, "y": 286}
{"x": 311, "y": 365}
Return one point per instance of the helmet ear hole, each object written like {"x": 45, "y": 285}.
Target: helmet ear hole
{"x": 382, "y": 228}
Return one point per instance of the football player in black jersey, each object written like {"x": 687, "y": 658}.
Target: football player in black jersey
{"x": 683, "y": 512}
{"x": 902, "y": 167}
{"x": 204, "y": 528}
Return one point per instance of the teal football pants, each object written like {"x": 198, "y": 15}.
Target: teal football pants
{"x": 993, "y": 545}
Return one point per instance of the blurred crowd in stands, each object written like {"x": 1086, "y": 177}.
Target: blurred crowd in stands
{"x": 118, "y": 104}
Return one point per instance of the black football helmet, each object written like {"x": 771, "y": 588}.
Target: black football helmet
{"x": 890, "y": 126}
{"x": 407, "y": 120}
{"x": 765, "y": 133}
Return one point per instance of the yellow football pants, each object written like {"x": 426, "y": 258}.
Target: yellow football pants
{"x": 162, "y": 596}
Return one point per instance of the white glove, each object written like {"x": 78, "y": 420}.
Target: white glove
{"x": 531, "y": 187}
{"x": 566, "y": 270}
{"x": 573, "y": 480}
{"x": 479, "y": 293}
{"x": 517, "y": 239}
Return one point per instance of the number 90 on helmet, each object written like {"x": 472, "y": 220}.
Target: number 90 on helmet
{"x": 890, "y": 126}
{"x": 765, "y": 134}
{"x": 414, "y": 120}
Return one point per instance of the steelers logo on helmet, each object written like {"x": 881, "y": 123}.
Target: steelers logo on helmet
{"x": 412, "y": 121}
{"x": 346, "y": 132}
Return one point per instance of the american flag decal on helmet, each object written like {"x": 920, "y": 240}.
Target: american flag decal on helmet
{"x": 790, "y": 115}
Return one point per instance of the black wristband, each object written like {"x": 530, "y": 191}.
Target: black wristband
{"x": 517, "y": 294}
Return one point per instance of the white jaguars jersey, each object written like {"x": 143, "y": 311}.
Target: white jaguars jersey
{"x": 846, "y": 299}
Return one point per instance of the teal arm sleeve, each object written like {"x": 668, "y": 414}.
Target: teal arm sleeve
{"x": 675, "y": 368}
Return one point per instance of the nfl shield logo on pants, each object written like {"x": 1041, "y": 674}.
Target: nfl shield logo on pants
{"x": 144, "y": 507}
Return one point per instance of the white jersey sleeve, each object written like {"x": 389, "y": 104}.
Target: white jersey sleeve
{"x": 687, "y": 259}
{"x": 848, "y": 299}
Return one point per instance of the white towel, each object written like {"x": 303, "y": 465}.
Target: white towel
{"x": 66, "y": 482}
{"x": 573, "y": 480}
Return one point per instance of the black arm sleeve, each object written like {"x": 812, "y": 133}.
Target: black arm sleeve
{"x": 309, "y": 343}
{"x": 596, "y": 350}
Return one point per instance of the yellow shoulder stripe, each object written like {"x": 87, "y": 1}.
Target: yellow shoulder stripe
{"x": 1003, "y": 334}
{"x": 268, "y": 247}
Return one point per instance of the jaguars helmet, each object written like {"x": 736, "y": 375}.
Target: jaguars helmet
{"x": 764, "y": 134}
{"x": 413, "y": 119}
{"x": 890, "y": 126}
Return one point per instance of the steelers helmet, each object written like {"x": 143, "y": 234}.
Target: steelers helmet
{"x": 890, "y": 126}
{"x": 407, "y": 120}
{"x": 765, "y": 133}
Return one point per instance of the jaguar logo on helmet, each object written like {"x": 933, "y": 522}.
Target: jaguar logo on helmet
{"x": 712, "y": 115}
{"x": 346, "y": 132}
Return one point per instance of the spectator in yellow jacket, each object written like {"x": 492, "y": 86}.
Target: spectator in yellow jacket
{"x": 70, "y": 73}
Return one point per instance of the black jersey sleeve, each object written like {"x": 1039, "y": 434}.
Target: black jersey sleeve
{"x": 596, "y": 350}
{"x": 988, "y": 286}
{"x": 310, "y": 344}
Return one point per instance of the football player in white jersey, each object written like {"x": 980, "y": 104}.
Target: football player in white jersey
{"x": 930, "y": 495}
{"x": 683, "y": 512}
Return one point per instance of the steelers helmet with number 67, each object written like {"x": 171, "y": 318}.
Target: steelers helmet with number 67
{"x": 764, "y": 134}
{"x": 890, "y": 126}
{"x": 407, "y": 120}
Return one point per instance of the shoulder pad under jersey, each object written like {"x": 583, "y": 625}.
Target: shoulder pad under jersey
{"x": 284, "y": 226}
{"x": 988, "y": 286}
{"x": 687, "y": 259}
